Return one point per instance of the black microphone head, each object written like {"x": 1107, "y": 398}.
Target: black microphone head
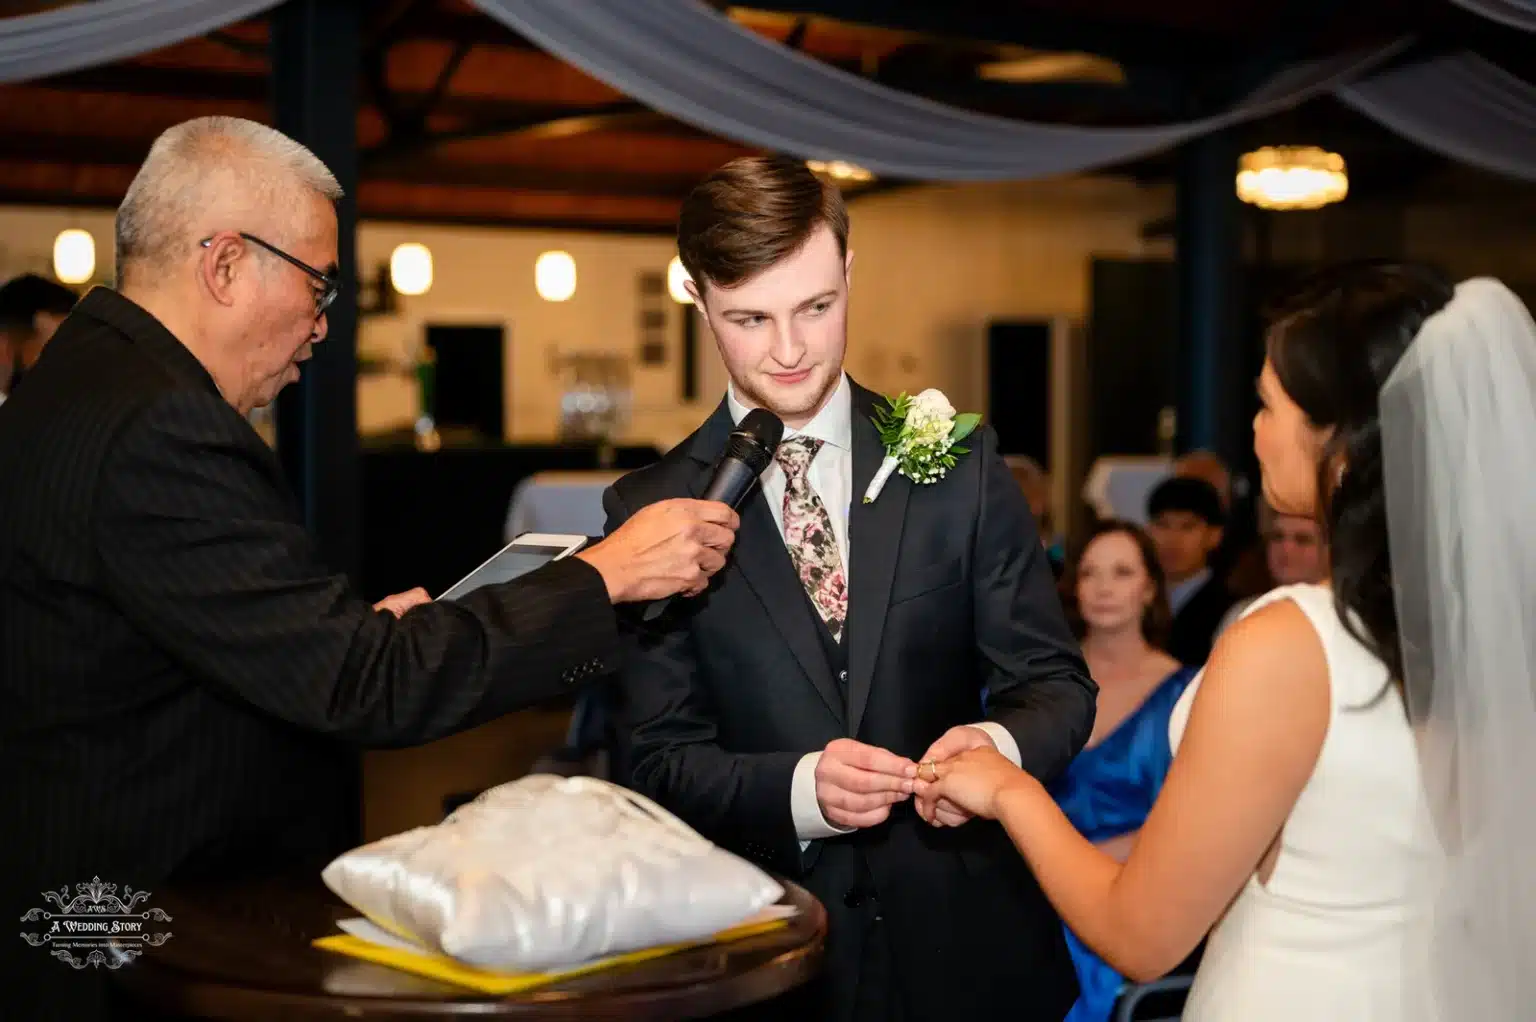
{"x": 756, "y": 438}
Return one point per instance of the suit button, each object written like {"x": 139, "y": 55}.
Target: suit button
{"x": 842, "y": 675}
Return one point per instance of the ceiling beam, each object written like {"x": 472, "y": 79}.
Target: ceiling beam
{"x": 1016, "y": 24}
{"x": 1144, "y": 98}
{"x": 555, "y": 181}
{"x": 488, "y": 116}
{"x": 558, "y": 122}
{"x": 17, "y": 149}
{"x": 386, "y": 211}
{"x": 152, "y": 82}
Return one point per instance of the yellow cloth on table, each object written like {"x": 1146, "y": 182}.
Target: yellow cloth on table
{"x": 435, "y": 966}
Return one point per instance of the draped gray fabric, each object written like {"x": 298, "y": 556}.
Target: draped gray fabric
{"x": 1514, "y": 13}
{"x": 688, "y": 61}
{"x": 1459, "y": 105}
{"x": 50, "y": 43}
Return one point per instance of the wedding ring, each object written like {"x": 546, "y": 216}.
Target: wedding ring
{"x": 933, "y": 768}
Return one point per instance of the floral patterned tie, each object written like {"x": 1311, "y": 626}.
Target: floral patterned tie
{"x": 808, "y": 535}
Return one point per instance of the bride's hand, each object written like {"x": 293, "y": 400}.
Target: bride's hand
{"x": 974, "y": 780}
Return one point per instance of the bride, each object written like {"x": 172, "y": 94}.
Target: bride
{"x": 1353, "y": 800}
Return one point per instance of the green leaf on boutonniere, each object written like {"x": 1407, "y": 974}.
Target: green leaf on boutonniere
{"x": 890, "y": 421}
{"x": 965, "y": 425}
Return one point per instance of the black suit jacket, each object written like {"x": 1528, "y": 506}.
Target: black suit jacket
{"x": 1194, "y": 626}
{"x": 950, "y": 596}
{"x": 182, "y": 683}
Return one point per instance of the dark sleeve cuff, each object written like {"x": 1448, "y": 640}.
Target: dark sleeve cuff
{"x": 590, "y": 615}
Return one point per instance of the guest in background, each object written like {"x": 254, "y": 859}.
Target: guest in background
{"x": 1117, "y": 603}
{"x": 31, "y": 309}
{"x": 1186, "y": 519}
{"x": 1208, "y": 466}
{"x": 1294, "y": 552}
{"x": 1036, "y": 484}
{"x": 1239, "y": 558}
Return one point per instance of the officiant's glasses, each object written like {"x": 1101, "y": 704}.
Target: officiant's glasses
{"x": 330, "y": 279}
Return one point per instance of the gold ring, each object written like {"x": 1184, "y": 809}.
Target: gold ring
{"x": 933, "y": 768}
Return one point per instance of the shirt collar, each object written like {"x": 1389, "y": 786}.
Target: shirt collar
{"x": 832, "y": 425}
{"x": 1182, "y": 593}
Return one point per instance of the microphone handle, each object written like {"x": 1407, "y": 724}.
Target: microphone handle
{"x": 732, "y": 481}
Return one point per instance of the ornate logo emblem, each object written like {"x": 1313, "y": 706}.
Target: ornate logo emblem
{"x": 96, "y": 927}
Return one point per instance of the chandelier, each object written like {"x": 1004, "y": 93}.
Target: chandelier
{"x": 1291, "y": 177}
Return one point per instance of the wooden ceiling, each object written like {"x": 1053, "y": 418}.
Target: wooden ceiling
{"x": 462, "y": 120}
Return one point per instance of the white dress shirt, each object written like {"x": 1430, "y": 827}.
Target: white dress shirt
{"x": 831, "y": 476}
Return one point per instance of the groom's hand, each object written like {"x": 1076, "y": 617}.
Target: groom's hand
{"x": 942, "y": 812}
{"x": 856, "y": 784}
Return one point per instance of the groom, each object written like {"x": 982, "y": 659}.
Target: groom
{"x": 784, "y": 712}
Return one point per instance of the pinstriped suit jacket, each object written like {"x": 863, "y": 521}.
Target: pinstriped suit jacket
{"x": 182, "y": 684}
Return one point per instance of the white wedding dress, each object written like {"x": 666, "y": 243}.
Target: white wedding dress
{"x": 1335, "y": 931}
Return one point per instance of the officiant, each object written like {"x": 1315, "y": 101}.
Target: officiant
{"x": 184, "y": 684}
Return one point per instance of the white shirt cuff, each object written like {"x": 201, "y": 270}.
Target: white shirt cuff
{"x": 1001, "y": 738}
{"x": 804, "y": 809}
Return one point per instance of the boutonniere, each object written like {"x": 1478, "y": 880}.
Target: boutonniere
{"x": 920, "y": 434}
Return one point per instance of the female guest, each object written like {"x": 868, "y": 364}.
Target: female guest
{"x": 1118, "y": 602}
{"x": 1350, "y": 803}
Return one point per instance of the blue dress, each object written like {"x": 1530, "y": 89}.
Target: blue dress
{"x": 1108, "y": 790}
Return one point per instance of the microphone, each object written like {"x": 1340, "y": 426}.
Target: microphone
{"x": 747, "y": 453}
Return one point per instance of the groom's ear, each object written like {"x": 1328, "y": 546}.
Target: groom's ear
{"x": 848, "y": 269}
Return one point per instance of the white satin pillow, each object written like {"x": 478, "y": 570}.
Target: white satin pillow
{"x": 547, "y": 872}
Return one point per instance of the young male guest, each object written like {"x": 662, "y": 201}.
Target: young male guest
{"x": 1185, "y": 519}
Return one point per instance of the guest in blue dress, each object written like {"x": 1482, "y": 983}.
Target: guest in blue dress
{"x": 1117, "y": 600}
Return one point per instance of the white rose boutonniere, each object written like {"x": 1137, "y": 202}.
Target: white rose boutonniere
{"x": 920, "y": 434}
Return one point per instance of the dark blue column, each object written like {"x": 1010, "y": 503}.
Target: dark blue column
{"x": 1214, "y": 387}
{"x": 315, "y": 46}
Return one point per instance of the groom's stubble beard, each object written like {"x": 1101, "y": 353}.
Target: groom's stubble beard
{"x": 796, "y": 415}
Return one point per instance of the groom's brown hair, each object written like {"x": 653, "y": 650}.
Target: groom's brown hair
{"x": 752, "y": 213}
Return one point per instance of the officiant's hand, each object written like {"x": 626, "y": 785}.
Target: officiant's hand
{"x": 856, "y": 784}
{"x": 943, "y": 812}
{"x": 666, "y": 548}
{"x": 401, "y": 602}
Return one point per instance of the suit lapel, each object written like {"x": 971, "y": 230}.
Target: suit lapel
{"x": 874, "y": 541}
{"x": 760, "y": 556}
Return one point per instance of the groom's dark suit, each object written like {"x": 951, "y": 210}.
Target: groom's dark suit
{"x": 950, "y": 596}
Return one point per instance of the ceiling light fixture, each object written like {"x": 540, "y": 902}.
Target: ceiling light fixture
{"x": 1291, "y": 177}
{"x": 839, "y": 170}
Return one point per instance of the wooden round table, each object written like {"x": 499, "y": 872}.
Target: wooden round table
{"x": 243, "y": 952}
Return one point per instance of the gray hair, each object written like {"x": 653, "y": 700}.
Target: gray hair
{"x": 212, "y": 167}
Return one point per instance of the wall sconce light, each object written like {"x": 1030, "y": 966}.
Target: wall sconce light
{"x": 676, "y": 277}
{"x": 554, "y": 276}
{"x": 410, "y": 268}
{"x": 74, "y": 256}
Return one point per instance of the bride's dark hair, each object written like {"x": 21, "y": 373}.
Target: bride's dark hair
{"x": 1336, "y": 338}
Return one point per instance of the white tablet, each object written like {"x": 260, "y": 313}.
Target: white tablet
{"x": 525, "y": 553}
